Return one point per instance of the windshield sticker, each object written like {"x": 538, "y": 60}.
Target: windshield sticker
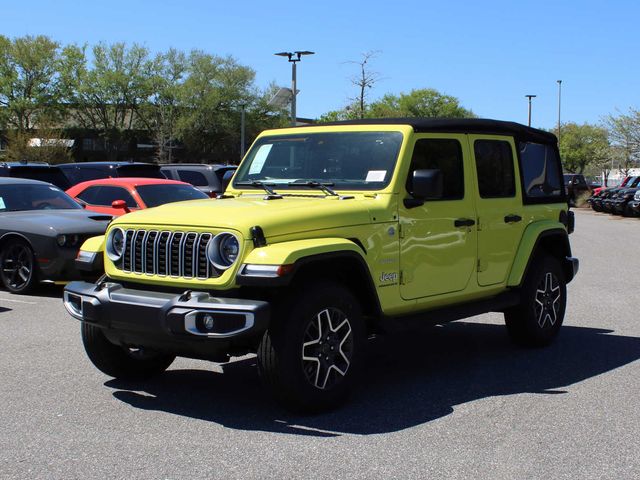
{"x": 376, "y": 176}
{"x": 2, "y": 205}
{"x": 259, "y": 159}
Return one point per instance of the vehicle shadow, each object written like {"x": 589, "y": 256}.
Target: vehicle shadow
{"x": 409, "y": 380}
{"x": 4, "y": 309}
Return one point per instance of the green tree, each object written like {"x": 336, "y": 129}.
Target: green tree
{"x": 107, "y": 94}
{"x": 211, "y": 98}
{"x": 624, "y": 134}
{"x": 424, "y": 102}
{"x": 161, "y": 112}
{"x": 29, "y": 81}
{"x": 582, "y": 146}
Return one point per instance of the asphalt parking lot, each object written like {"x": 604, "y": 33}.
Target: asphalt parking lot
{"x": 456, "y": 402}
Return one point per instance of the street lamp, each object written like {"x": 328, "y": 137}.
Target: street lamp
{"x": 559, "y": 97}
{"x": 242, "y": 129}
{"x": 530, "y": 97}
{"x": 293, "y": 57}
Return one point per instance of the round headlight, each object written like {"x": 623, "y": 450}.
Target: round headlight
{"x": 115, "y": 244}
{"x": 223, "y": 250}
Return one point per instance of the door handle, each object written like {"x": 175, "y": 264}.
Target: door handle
{"x": 512, "y": 218}
{"x": 464, "y": 222}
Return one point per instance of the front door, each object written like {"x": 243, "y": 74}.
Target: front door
{"x": 500, "y": 217}
{"x": 438, "y": 238}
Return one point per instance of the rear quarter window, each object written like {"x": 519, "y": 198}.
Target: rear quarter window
{"x": 541, "y": 172}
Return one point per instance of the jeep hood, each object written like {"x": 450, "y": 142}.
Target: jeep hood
{"x": 283, "y": 216}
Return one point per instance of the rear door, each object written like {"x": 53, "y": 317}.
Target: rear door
{"x": 499, "y": 206}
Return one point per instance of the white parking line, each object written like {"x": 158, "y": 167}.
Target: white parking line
{"x": 3, "y": 299}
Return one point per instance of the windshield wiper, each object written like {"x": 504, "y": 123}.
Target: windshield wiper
{"x": 324, "y": 186}
{"x": 257, "y": 183}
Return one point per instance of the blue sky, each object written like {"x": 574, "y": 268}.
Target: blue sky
{"x": 489, "y": 54}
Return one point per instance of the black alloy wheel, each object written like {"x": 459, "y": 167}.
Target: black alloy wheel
{"x": 327, "y": 350}
{"x": 17, "y": 266}
{"x": 536, "y": 321}
{"x": 313, "y": 351}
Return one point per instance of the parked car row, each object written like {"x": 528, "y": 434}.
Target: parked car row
{"x": 42, "y": 227}
{"x": 621, "y": 200}
{"x": 209, "y": 178}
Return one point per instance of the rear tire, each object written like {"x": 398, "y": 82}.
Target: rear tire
{"x": 120, "y": 362}
{"x": 537, "y": 320}
{"x": 312, "y": 353}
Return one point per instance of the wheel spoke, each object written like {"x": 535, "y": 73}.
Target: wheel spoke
{"x": 24, "y": 273}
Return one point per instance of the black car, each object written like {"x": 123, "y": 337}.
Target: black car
{"x": 41, "y": 231}
{"x": 621, "y": 204}
{"x": 576, "y": 187}
{"x": 211, "y": 179}
{"x": 84, "y": 171}
{"x": 35, "y": 171}
{"x": 616, "y": 195}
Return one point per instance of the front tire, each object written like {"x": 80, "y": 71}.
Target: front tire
{"x": 120, "y": 362}
{"x": 17, "y": 267}
{"x": 537, "y": 320}
{"x": 312, "y": 353}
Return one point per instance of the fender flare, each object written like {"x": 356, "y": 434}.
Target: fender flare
{"x": 532, "y": 238}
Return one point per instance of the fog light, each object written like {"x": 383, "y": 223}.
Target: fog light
{"x": 207, "y": 321}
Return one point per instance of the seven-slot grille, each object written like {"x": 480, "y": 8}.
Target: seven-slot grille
{"x": 175, "y": 254}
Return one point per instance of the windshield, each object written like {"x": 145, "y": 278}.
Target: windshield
{"x": 18, "y": 197}
{"x": 344, "y": 160}
{"x": 154, "y": 195}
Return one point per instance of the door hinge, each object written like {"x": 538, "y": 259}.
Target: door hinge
{"x": 478, "y": 224}
{"x": 400, "y": 231}
{"x": 401, "y": 277}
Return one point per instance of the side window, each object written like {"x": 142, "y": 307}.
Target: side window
{"x": 88, "y": 195}
{"x": 540, "y": 170}
{"x": 105, "y": 196}
{"x": 494, "y": 165}
{"x": 444, "y": 155}
{"x": 194, "y": 178}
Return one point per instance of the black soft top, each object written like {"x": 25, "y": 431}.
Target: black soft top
{"x": 461, "y": 125}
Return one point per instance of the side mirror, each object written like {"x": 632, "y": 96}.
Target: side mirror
{"x": 426, "y": 184}
{"x": 120, "y": 204}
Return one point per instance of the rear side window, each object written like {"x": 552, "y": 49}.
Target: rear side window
{"x": 104, "y": 196}
{"x": 444, "y": 155}
{"x": 494, "y": 165}
{"x": 540, "y": 169}
{"x": 194, "y": 178}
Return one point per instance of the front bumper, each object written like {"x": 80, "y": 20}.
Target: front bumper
{"x": 192, "y": 324}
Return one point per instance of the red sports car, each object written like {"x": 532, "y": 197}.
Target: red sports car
{"x": 117, "y": 196}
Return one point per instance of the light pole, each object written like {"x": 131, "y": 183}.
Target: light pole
{"x": 242, "y": 128}
{"x": 559, "y": 98}
{"x": 293, "y": 57}
{"x": 530, "y": 97}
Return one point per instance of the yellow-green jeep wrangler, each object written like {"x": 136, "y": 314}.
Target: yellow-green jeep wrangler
{"x": 326, "y": 234}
